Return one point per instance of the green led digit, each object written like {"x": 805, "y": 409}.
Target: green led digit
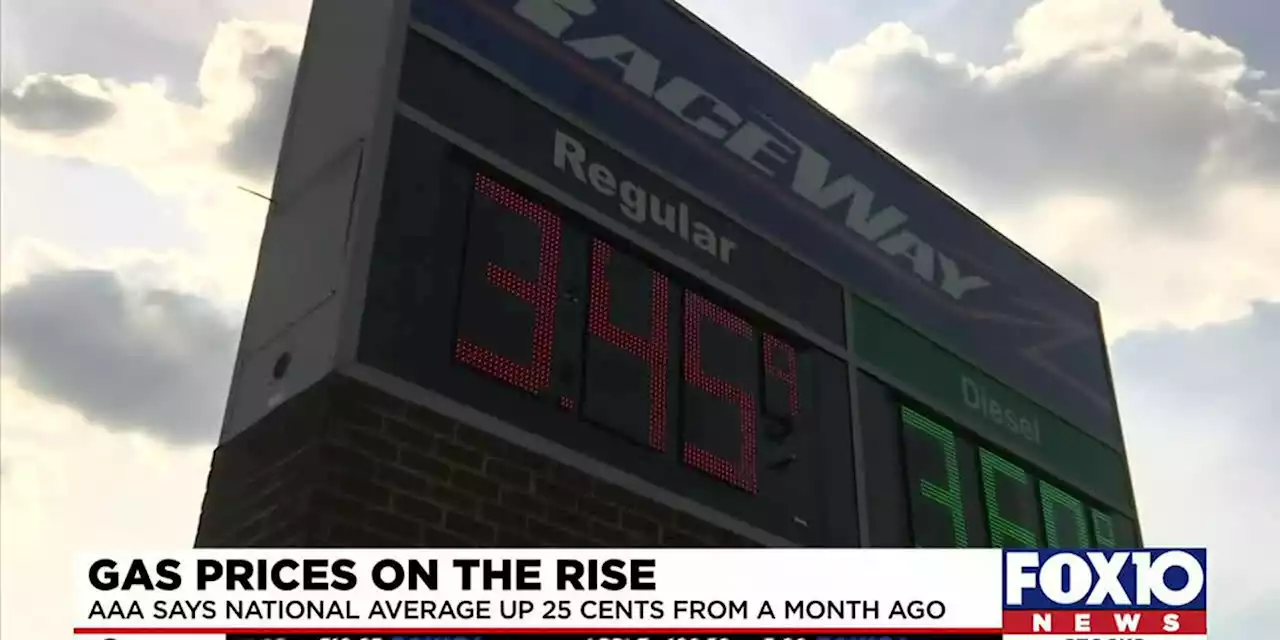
{"x": 1003, "y": 529}
{"x": 948, "y": 497}
{"x": 1051, "y": 500}
{"x": 1114, "y": 531}
{"x": 1104, "y": 531}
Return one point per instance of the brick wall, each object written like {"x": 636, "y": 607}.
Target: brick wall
{"x": 347, "y": 466}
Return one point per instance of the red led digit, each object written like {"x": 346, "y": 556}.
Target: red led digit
{"x": 780, "y": 364}
{"x": 652, "y": 349}
{"x": 741, "y": 473}
{"x": 541, "y": 293}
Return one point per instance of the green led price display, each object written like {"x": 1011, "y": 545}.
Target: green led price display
{"x": 963, "y": 494}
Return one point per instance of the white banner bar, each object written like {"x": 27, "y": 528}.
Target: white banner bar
{"x": 381, "y": 591}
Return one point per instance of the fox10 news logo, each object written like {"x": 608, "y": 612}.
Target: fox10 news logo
{"x": 1113, "y": 594}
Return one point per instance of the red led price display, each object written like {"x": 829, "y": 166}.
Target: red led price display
{"x": 964, "y": 495}
{"x": 721, "y": 374}
{"x": 522, "y": 286}
{"x": 782, "y": 390}
{"x": 628, "y": 347}
{"x": 622, "y": 344}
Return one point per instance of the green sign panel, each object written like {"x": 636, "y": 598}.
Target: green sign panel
{"x": 991, "y": 410}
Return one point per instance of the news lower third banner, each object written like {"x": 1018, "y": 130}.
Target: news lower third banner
{"x": 642, "y": 593}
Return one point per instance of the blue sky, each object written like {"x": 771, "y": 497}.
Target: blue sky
{"x": 1135, "y": 146}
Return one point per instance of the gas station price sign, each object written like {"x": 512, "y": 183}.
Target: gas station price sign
{"x": 527, "y": 270}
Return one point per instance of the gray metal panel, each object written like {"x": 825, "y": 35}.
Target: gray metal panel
{"x": 309, "y": 345}
{"x": 368, "y": 197}
{"x": 858, "y": 435}
{"x": 303, "y": 262}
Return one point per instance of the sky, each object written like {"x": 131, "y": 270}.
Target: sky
{"x": 1133, "y": 145}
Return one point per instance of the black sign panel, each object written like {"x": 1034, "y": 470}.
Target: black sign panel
{"x": 498, "y": 118}
{"x": 501, "y": 298}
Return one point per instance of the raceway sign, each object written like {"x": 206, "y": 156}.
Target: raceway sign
{"x": 644, "y": 74}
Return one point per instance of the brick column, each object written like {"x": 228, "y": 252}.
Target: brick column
{"x": 345, "y": 465}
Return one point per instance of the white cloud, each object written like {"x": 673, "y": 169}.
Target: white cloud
{"x": 169, "y": 353}
{"x": 57, "y": 105}
{"x": 75, "y": 478}
{"x": 197, "y": 155}
{"x": 1110, "y": 142}
{"x": 168, "y": 144}
{"x": 1147, "y": 277}
{"x": 1200, "y": 407}
{"x": 130, "y": 40}
{"x": 70, "y": 487}
{"x": 79, "y": 475}
{"x": 1120, "y": 149}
